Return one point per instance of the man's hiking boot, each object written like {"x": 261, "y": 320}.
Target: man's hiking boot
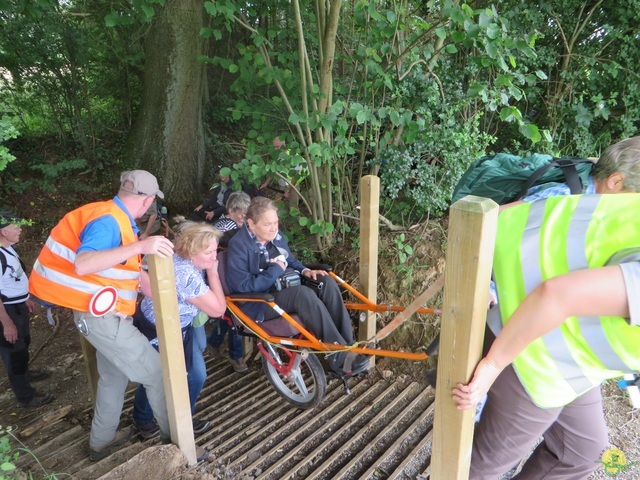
{"x": 122, "y": 436}
{"x": 38, "y": 400}
{"x": 148, "y": 430}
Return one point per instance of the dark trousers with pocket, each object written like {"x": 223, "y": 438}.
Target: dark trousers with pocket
{"x": 574, "y": 436}
{"x": 16, "y": 355}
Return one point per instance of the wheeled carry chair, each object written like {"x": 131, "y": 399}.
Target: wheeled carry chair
{"x": 290, "y": 351}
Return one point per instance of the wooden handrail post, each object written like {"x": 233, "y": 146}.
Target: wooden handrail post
{"x": 472, "y": 231}
{"x": 369, "y": 233}
{"x": 91, "y": 364}
{"x": 174, "y": 370}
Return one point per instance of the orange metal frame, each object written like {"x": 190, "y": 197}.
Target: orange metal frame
{"x": 307, "y": 340}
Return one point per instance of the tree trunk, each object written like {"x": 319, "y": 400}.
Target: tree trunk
{"x": 168, "y": 136}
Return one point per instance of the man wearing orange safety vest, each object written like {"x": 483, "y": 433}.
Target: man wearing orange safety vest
{"x": 94, "y": 254}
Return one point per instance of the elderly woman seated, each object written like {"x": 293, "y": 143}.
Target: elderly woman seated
{"x": 258, "y": 255}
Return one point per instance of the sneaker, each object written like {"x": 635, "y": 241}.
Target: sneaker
{"x": 239, "y": 365}
{"x": 122, "y": 436}
{"x": 38, "y": 400}
{"x": 36, "y": 374}
{"x": 200, "y": 426}
{"x": 148, "y": 430}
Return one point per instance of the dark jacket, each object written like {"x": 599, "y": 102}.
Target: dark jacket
{"x": 243, "y": 273}
{"x": 217, "y": 200}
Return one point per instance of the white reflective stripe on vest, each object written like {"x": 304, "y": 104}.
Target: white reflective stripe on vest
{"x": 76, "y": 283}
{"x": 68, "y": 254}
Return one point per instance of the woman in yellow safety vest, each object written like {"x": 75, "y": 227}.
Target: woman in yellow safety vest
{"x": 567, "y": 273}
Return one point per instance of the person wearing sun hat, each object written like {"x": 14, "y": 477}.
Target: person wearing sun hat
{"x": 15, "y": 313}
{"x": 96, "y": 248}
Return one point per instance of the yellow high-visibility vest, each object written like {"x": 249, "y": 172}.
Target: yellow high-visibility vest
{"x": 545, "y": 239}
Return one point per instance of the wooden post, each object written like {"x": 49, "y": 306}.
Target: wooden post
{"x": 369, "y": 233}
{"x": 91, "y": 364}
{"x": 174, "y": 370}
{"x": 470, "y": 243}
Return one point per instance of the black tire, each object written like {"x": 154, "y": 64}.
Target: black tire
{"x": 304, "y": 387}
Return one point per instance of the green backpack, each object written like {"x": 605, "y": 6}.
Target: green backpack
{"x": 506, "y": 178}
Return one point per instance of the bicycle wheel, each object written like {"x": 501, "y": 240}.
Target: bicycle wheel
{"x": 304, "y": 385}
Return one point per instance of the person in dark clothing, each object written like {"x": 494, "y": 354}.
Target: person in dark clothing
{"x": 15, "y": 312}
{"x": 214, "y": 206}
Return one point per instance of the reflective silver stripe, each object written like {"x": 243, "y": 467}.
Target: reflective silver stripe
{"x": 119, "y": 274}
{"x": 591, "y": 328}
{"x": 576, "y": 260}
{"x": 60, "y": 250}
{"x": 76, "y": 283}
{"x": 530, "y": 248}
{"x": 113, "y": 273}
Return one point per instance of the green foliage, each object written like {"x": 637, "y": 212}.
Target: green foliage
{"x": 417, "y": 90}
{"x": 9, "y": 455}
{"x": 418, "y": 179}
{"x": 50, "y": 176}
{"x": 65, "y": 74}
{"x": 140, "y": 10}
{"x": 414, "y": 85}
{"x": 7, "y": 132}
{"x": 404, "y": 250}
{"x": 589, "y": 95}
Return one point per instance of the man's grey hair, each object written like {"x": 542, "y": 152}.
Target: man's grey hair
{"x": 623, "y": 157}
{"x": 238, "y": 201}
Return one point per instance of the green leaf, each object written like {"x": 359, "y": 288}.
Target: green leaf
{"x": 303, "y": 221}
{"x": 451, "y": 48}
{"x": 493, "y": 31}
{"x": 458, "y": 36}
{"x": 541, "y": 75}
{"x": 294, "y": 119}
{"x": 148, "y": 11}
{"x": 484, "y": 20}
{"x": 395, "y": 117}
{"x": 233, "y": 68}
{"x": 531, "y": 132}
{"x": 362, "y": 117}
{"x": 111, "y": 19}
{"x": 492, "y": 49}
{"x": 441, "y": 32}
{"x": 509, "y": 114}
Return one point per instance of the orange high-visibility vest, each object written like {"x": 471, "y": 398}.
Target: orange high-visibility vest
{"x": 53, "y": 278}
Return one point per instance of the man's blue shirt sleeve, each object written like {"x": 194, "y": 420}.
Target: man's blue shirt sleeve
{"x": 103, "y": 233}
